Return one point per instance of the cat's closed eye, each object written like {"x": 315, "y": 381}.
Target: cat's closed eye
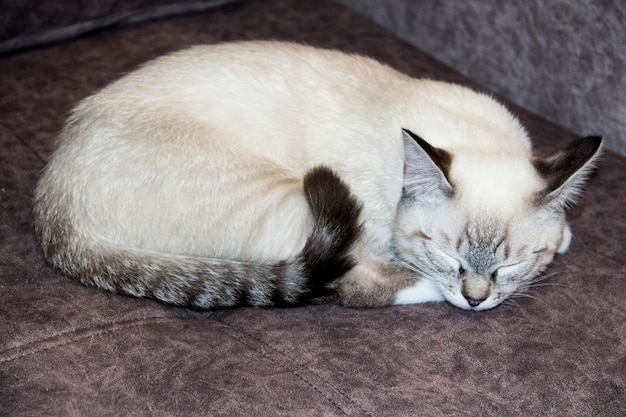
{"x": 510, "y": 270}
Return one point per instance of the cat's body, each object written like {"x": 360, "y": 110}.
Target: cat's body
{"x": 202, "y": 155}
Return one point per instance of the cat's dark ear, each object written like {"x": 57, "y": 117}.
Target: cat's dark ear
{"x": 426, "y": 168}
{"x": 566, "y": 170}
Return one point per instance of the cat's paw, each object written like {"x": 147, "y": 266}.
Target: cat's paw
{"x": 373, "y": 284}
{"x": 422, "y": 291}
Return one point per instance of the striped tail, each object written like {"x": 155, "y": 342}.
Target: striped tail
{"x": 203, "y": 283}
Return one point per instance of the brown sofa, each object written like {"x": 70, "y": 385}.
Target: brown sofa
{"x": 68, "y": 350}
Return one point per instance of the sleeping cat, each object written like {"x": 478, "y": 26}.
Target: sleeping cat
{"x": 267, "y": 173}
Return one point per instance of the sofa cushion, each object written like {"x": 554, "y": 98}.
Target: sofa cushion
{"x": 69, "y": 350}
{"x": 26, "y": 24}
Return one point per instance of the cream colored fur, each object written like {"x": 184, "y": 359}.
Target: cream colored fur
{"x": 202, "y": 153}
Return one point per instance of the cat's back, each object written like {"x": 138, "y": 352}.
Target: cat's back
{"x": 249, "y": 67}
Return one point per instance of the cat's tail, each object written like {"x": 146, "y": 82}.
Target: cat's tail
{"x": 209, "y": 283}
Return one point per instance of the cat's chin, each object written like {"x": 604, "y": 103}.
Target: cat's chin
{"x": 424, "y": 291}
{"x": 459, "y": 301}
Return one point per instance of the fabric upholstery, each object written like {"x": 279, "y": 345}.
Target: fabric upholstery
{"x": 69, "y": 350}
{"x": 25, "y": 24}
{"x": 562, "y": 59}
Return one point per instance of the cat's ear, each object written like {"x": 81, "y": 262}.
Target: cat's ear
{"x": 426, "y": 168}
{"x": 566, "y": 170}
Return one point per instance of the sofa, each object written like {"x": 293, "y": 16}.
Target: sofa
{"x": 562, "y": 59}
{"x": 69, "y": 350}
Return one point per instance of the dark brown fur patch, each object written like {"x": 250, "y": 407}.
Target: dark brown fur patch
{"x": 336, "y": 228}
{"x": 558, "y": 168}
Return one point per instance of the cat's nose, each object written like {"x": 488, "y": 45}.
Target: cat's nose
{"x": 473, "y": 302}
{"x": 475, "y": 291}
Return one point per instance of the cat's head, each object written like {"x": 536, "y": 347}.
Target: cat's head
{"x": 483, "y": 226}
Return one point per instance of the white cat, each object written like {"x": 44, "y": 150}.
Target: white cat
{"x": 269, "y": 173}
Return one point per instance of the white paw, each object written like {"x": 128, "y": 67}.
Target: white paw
{"x": 421, "y": 292}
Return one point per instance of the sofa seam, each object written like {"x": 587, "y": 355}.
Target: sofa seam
{"x": 49, "y": 342}
{"x": 293, "y": 369}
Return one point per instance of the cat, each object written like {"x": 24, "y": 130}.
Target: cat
{"x": 271, "y": 173}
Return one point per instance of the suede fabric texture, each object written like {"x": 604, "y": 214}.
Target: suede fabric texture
{"x": 69, "y": 350}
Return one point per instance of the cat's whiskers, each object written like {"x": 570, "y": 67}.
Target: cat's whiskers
{"x": 543, "y": 277}
{"x": 549, "y": 284}
{"x": 510, "y": 301}
{"x": 523, "y": 294}
{"x": 414, "y": 267}
{"x": 539, "y": 282}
